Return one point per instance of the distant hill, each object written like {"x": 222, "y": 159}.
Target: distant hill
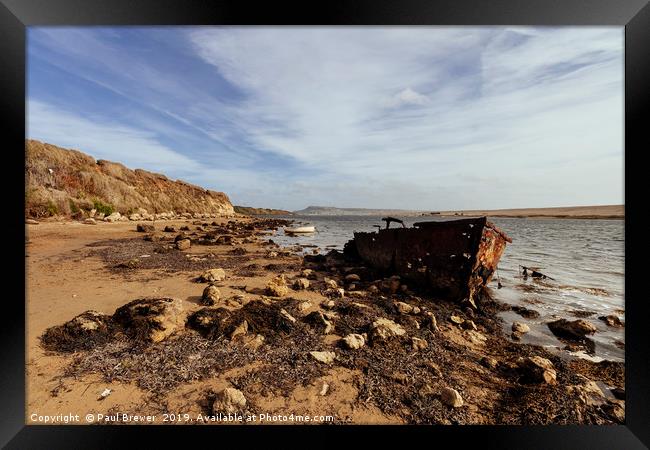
{"x": 249, "y": 211}
{"x": 333, "y": 211}
{"x": 568, "y": 212}
{"x": 67, "y": 182}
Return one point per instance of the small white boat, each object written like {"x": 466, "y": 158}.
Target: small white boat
{"x": 298, "y": 230}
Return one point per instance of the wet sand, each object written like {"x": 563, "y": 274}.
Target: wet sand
{"x": 71, "y": 268}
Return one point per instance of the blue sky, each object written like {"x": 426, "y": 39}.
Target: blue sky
{"x": 380, "y": 117}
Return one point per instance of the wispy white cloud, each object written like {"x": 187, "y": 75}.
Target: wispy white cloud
{"x": 416, "y": 117}
{"x": 115, "y": 142}
{"x": 507, "y": 102}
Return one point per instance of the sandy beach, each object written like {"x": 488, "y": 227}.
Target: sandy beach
{"x": 431, "y": 362}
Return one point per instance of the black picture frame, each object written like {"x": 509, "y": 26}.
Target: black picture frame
{"x": 634, "y": 15}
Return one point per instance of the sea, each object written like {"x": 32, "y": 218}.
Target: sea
{"x": 583, "y": 258}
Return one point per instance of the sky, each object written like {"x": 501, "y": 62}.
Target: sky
{"x": 429, "y": 118}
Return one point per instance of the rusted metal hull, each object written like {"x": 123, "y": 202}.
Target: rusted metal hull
{"x": 455, "y": 258}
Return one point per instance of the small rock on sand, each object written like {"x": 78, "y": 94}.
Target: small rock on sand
{"x": 489, "y": 362}
{"x": 403, "y": 308}
{"x": 277, "y": 287}
{"x": 145, "y": 228}
{"x": 152, "y": 319}
{"x": 31, "y": 222}
{"x": 90, "y": 221}
{"x": 354, "y": 341}
{"x": 430, "y": 321}
{"x": 183, "y": 244}
{"x": 304, "y": 306}
{"x": 451, "y": 397}
{"x": 418, "y": 344}
{"x": 537, "y": 369}
{"x": 519, "y": 327}
{"x": 383, "y": 329}
{"x": 576, "y": 329}
{"x": 301, "y": 284}
{"x": 324, "y": 357}
{"x": 352, "y": 278}
{"x": 211, "y": 295}
{"x": 612, "y": 321}
{"x": 229, "y": 401}
{"x": 213, "y": 275}
{"x": 240, "y": 330}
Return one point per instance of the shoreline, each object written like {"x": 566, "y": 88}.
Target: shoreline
{"x": 72, "y": 268}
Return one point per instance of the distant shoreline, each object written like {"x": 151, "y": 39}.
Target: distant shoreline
{"x": 564, "y": 212}
{"x": 570, "y": 212}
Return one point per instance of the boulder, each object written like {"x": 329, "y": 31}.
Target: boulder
{"x": 308, "y": 273}
{"x": 211, "y": 295}
{"x": 113, "y": 217}
{"x": 239, "y": 330}
{"x": 331, "y": 284}
{"x": 353, "y": 277}
{"x": 300, "y": 284}
{"x": 468, "y": 325}
{"x": 169, "y": 229}
{"x": 456, "y": 319}
{"x": 336, "y": 293}
{"x": 145, "y": 228}
{"x": 383, "y": 329}
{"x": 150, "y": 319}
{"x": 451, "y": 397}
{"x": 519, "y": 327}
{"x": 403, "y": 308}
{"x": 430, "y": 321}
{"x": 304, "y": 306}
{"x": 418, "y": 344}
{"x": 489, "y": 362}
{"x": 537, "y": 369}
{"x": 319, "y": 319}
{"x": 213, "y": 275}
{"x": 229, "y": 401}
{"x": 612, "y": 321}
{"x": 90, "y": 221}
{"x": 31, "y": 222}
{"x": 183, "y": 244}
{"x": 354, "y": 341}
{"x": 287, "y": 317}
{"x": 84, "y": 332}
{"x": 575, "y": 330}
{"x": 277, "y": 287}
{"x": 323, "y": 357}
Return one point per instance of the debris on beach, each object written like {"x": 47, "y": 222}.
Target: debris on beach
{"x": 534, "y": 273}
{"x": 328, "y": 326}
{"x": 105, "y": 393}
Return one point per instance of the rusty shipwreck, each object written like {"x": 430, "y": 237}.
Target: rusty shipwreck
{"x": 455, "y": 259}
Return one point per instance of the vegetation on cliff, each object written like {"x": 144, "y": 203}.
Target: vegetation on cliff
{"x": 68, "y": 182}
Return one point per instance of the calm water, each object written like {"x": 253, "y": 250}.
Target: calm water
{"x": 584, "y": 257}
